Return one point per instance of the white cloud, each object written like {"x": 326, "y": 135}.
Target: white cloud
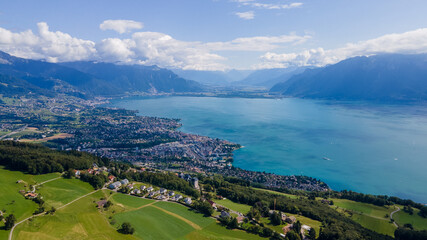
{"x": 270, "y": 6}
{"x": 407, "y": 43}
{"x": 52, "y": 46}
{"x": 121, "y": 26}
{"x": 246, "y": 15}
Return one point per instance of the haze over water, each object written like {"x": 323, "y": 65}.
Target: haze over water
{"x": 364, "y": 147}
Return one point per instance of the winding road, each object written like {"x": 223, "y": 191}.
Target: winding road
{"x": 391, "y": 216}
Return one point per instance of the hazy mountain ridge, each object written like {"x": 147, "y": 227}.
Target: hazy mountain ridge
{"x": 269, "y": 77}
{"x": 88, "y": 78}
{"x": 387, "y": 77}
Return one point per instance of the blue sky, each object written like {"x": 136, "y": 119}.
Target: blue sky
{"x": 212, "y": 34}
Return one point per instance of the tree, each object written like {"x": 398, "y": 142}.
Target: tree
{"x": 292, "y": 235}
{"x": 267, "y": 232}
{"x": 254, "y": 213}
{"x": 423, "y": 212}
{"x": 204, "y": 207}
{"x": 126, "y": 228}
{"x": 10, "y": 222}
{"x": 69, "y": 173}
{"x": 311, "y": 234}
{"x": 276, "y": 219}
{"x": 232, "y": 224}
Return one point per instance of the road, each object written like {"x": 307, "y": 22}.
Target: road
{"x": 391, "y": 216}
{"x": 14, "y": 132}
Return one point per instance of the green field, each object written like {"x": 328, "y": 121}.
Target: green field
{"x": 416, "y": 220}
{"x": 242, "y": 208}
{"x": 185, "y": 212}
{"x": 128, "y": 201}
{"x": 279, "y": 193}
{"x": 368, "y": 215}
{"x": 80, "y": 220}
{"x": 61, "y": 191}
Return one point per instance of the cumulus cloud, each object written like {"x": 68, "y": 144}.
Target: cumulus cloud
{"x": 52, "y": 46}
{"x": 410, "y": 42}
{"x": 121, "y": 26}
{"x": 274, "y": 6}
{"x": 246, "y": 15}
{"x": 148, "y": 48}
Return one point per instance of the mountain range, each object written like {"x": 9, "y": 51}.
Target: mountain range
{"x": 90, "y": 78}
{"x": 386, "y": 77}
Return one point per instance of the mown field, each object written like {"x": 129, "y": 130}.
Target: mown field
{"x": 242, "y": 208}
{"x": 11, "y": 201}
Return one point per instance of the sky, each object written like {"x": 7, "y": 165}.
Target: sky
{"x": 212, "y": 34}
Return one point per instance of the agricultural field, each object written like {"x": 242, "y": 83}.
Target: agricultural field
{"x": 61, "y": 191}
{"x": 368, "y": 215}
{"x": 279, "y": 193}
{"x": 11, "y": 201}
{"x": 79, "y": 220}
{"x": 242, "y": 208}
{"x": 418, "y": 222}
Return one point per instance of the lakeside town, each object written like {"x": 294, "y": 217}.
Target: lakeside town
{"x": 69, "y": 123}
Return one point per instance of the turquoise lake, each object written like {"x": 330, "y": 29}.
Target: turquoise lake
{"x": 364, "y": 147}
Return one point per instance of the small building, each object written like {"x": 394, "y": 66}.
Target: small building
{"x": 290, "y": 219}
{"x": 225, "y": 214}
{"x": 150, "y": 189}
{"x": 31, "y": 195}
{"x": 151, "y": 194}
{"x": 101, "y": 203}
{"x": 130, "y": 186}
{"x": 143, "y": 188}
{"x": 188, "y": 201}
{"x": 163, "y": 191}
{"x": 114, "y": 185}
{"x": 212, "y": 203}
{"x": 124, "y": 181}
{"x": 177, "y": 197}
{"x": 171, "y": 193}
{"x": 77, "y": 173}
{"x": 111, "y": 178}
{"x": 136, "y": 191}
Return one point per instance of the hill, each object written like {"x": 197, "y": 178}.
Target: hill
{"x": 89, "y": 79}
{"x": 213, "y": 78}
{"x": 388, "y": 77}
{"x": 269, "y": 77}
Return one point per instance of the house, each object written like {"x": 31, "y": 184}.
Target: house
{"x": 163, "y": 191}
{"x": 177, "y": 197}
{"x": 77, "y": 173}
{"x": 290, "y": 219}
{"x": 124, "y": 181}
{"x": 171, "y": 193}
{"x": 114, "y": 185}
{"x": 151, "y": 194}
{"x": 240, "y": 218}
{"x": 225, "y": 214}
{"x": 188, "y": 201}
{"x": 111, "y": 178}
{"x": 101, "y": 203}
{"x": 161, "y": 197}
{"x": 31, "y": 195}
{"x": 287, "y": 228}
{"x": 136, "y": 191}
{"x": 143, "y": 188}
{"x": 130, "y": 186}
{"x": 150, "y": 189}
{"x": 212, "y": 203}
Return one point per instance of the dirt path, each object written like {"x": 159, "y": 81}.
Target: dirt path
{"x": 391, "y": 216}
{"x": 193, "y": 225}
{"x": 34, "y": 186}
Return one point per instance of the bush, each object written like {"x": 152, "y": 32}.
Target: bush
{"x": 126, "y": 228}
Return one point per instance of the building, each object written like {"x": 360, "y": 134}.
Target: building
{"x": 114, "y": 185}
{"x": 171, "y": 193}
{"x": 225, "y": 214}
{"x": 188, "y": 201}
{"x": 143, "y": 188}
{"x": 176, "y": 197}
{"x": 124, "y": 181}
{"x": 150, "y": 189}
{"x": 163, "y": 191}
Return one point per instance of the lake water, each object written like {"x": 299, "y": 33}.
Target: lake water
{"x": 369, "y": 148}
